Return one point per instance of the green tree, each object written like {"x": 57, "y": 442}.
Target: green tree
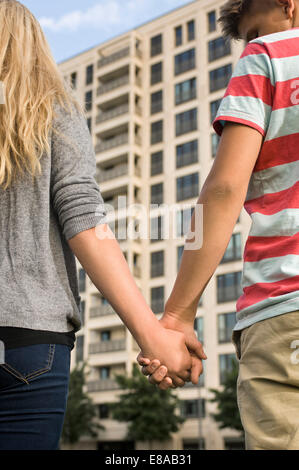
{"x": 228, "y": 415}
{"x": 148, "y": 410}
{"x": 80, "y": 418}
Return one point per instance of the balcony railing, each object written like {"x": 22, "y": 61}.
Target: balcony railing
{"x": 119, "y": 170}
{"x": 101, "y": 311}
{"x": 121, "y": 81}
{"x": 111, "y": 143}
{"x": 107, "y": 346}
{"x": 102, "y": 385}
{"x": 114, "y": 57}
{"x": 137, "y": 271}
{"x": 117, "y": 111}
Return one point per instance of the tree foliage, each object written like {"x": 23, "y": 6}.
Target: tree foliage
{"x": 148, "y": 410}
{"x": 80, "y": 418}
{"x": 228, "y": 415}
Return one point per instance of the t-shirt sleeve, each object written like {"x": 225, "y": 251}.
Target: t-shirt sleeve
{"x": 249, "y": 96}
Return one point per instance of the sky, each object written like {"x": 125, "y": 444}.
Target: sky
{"x": 73, "y": 26}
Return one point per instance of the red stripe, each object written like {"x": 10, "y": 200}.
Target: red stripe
{"x": 272, "y": 203}
{"x": 259, "y": 248}
{"x": 286, "y": 94}
{"x": 218, "y": 126}
{"x": 287, "y": 47}
{"x": 255, "y": 86}
{"x": 278, "y": 151}
{"x": 262, "y": 291}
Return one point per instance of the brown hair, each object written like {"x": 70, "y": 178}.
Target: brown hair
{"x": 230, "y": 15}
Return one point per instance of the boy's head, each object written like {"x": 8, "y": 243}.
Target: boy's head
{"x": 248, "y": 19}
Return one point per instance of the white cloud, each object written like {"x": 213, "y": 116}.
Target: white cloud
{"x": 110, "y": 13}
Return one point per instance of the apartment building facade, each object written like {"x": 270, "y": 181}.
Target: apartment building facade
{"x": 150, "y": 96}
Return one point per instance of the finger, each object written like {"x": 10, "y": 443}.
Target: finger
{"x": 185, "y": 375}
{"x": 142, "y": 360}
{"x": 166, "y": 383}
{"x": 177, "y": 381}
{"x": 196, "y": 347}
{"x": 196, "y": 370}
{"x": 151, "y": 368}
{"x": 158, "y": 375}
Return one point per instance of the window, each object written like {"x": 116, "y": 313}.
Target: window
{"x": 218, "y": 48}
{"x": 88, "y": 100}
{"x": 89, "y": 121}
{"x": 187, "y": 187}
{"x": 178, "y": 36}
{"x": 184, "y": 61}
{"x": 191, "y": 30}
{"x": 89, "y": 74}
{"x": 157, "y": 163}
{"x": 157, "y": 299}
{"x": 187, "y": 154}
{"x": 198, "y": 327}
{"x": 156, "y": 102}
{"x": 79, "y": 348}
{"x": 186, "y": 122}
{"x": 199, "y": 444}
{"x": 229, "y": 286}
{"x": 104, "y": 411}
{"x": 156, "y": 132}
{"x": 82, "y": 280}
{"x": 234, "y": 250}
{"x": 226, "y": 323}
{"x": 225, "y": 365}
{"x": 157, "y": 193}
{"x": 156, "y": 45}
{"x": 157, "y": 229}
{"x": 82, "y": 304}
{"x": 212, "y": 21}
{"x": 219, "y": 78}
{"x": 215, "y": 139}
{"x": 104, "y": 373}
{"x": 74, "y": 79}
{"x": 105, "y": 335}
{"x": 214, "y": 105}
{"x": 156, "y": 73}
{"x": 157, "y": 263}
{"x": 180, "y": 250}
{"x": 183, "y": 221}
{"x": 185, "y": 91}
{"x": 193, "y": 408}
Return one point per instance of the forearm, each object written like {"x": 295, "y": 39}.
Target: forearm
{"x": 107, "y": 268}
{"x": 220, "y": 213}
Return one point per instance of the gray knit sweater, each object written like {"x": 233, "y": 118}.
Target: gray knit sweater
{"x": 38, "y": 276}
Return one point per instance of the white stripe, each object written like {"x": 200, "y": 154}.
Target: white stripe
{"x": 279, "y": 36}
{"x": 284, "y": 223}
{"x": 273, "y": 180}
{"x": 283, "y": 122}
{"x": 270, "y": 270}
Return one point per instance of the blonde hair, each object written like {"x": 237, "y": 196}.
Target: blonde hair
{"x": 31, "y": 82}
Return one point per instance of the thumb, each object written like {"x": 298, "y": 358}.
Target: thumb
{"x": 196, "y": 347}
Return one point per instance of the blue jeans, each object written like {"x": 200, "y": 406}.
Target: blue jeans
{"x": 34, "y": 384}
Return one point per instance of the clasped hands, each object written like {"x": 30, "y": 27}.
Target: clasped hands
{"x": 173, "y": 357}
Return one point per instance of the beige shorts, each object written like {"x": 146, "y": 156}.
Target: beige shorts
{"x": 268, "y": 382}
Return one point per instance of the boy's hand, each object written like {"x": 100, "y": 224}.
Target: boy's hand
{"x": 158, "y": 373}
{"x": 169, "y": 347}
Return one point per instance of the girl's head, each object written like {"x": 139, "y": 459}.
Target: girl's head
{"x": 31, "y": 82}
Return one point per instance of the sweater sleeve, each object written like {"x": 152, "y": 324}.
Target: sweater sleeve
{"x": 75, "y": 194}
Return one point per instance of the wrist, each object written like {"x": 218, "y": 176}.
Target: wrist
{"x": 181, "y": 314}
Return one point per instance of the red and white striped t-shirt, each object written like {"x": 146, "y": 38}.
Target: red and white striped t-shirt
{"x": 263, "y": 93}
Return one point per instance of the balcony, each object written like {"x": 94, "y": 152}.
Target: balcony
{"x": 113, "y": 84}
{"x": 114, "y": 57}
{"x": 137, "y": 271}
{"x": 117, "y": 111}
{"x": 108, "y": 144}
{"x": 101, "y": 311}
{"x": 102, "y": 385}
{"x": 116, "y": 172}
{"x": 107, "y": 346}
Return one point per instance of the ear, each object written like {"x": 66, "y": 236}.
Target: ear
{"x": 288, "y": 7}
